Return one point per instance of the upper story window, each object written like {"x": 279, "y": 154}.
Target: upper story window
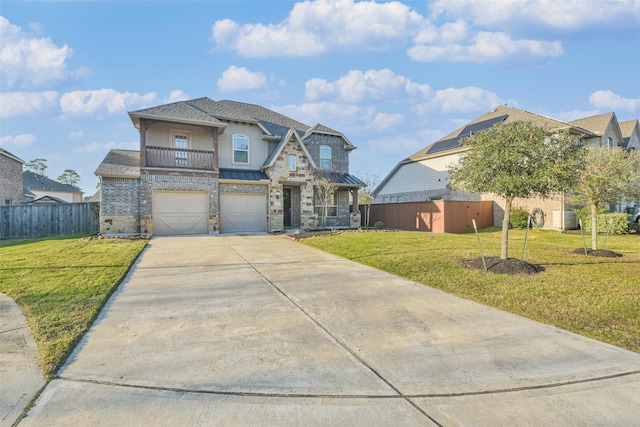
{"x": 292, "y": 162}
{"x": 325, "y": 157}
{"x": 180, "y": 143}
{"x": 240, "y": 149}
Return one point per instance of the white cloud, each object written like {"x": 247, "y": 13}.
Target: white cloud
{"x": 459, "y": 100}
{"x": 395, "y": 145}
{"x": 383, "y": 121}
{"x": 13, "y": 104}
{"x": 21, "y": 140}
{"x": 333, "y": 114}
{"x": 99, "y": 147}
{"x": 175, "y": 96}
{"x": 27, "y": 61}
{"x": 485, "y": 47}
{"x": 236, "y": 79}
{"x": 562, "y": 15}
{"x": 76, "y": 135}
{"x": 358, "y": 86}
{"x": 607, "y": 100}
{"x": 314, "y": 27}
{"x": 88, "y": 102}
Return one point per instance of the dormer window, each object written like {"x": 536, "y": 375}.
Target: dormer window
{"x": 325, "y": 157}
{"x": 240, "y": 149}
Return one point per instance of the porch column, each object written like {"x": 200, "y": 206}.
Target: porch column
{"x": 356, "y": 207}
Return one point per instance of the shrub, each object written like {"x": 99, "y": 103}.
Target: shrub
{"x": 379, "y": 225}
{"x": 519, "y": 218}
{"x": 621, "y": 223}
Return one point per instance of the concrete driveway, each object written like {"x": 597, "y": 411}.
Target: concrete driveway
{"x": 260, "y": 330}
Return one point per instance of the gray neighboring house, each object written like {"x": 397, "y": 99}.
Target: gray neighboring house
{"x": 209, "y": 166}
{"x": 631, "y": 134}
{"x": 37, "y": 187}
{"x": 10, "y": 178}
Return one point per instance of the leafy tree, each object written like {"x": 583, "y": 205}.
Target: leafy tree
{"x": 38, "y": 166}
{"x": 518, "y": 159}
{"x": 325, "y": 186}
{"x": 610, "y": 176}
{"x": 365, "y": 196}
{"x": 69, "y": 176}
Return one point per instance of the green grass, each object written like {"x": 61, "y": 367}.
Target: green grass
{"x": 592, "y": 296}
{"x": 61, "y": 284}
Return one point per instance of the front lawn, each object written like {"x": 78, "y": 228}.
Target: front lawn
{"x": 592, "y": 296}
{"x": 61, "y": 284}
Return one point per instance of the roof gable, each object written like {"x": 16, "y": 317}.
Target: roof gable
{"x": 11, "y": 156}
{"x": 291, "y": 134}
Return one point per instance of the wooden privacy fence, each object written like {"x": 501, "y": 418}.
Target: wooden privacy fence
{"x": 17, "y": 221}
{"x": 442, "y": 216}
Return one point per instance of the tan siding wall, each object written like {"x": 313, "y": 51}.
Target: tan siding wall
{"x": 257, "y": 147}
{"x": 159, "y": 135}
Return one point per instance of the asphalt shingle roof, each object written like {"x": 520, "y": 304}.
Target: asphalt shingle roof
{"x": 33, "y": 181}
{"x": 10, "y": 155}
{"x": 120, "y": 163}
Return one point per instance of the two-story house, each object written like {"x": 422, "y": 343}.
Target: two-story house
{"x": 10, "y": 178}
{"x": 206, "y": 167}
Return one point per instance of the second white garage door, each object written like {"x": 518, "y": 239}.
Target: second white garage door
{"x": 180, "y": 212}
{"x": 242, "y": 213}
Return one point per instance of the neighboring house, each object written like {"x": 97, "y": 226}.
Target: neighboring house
{"x": 206, "y": 167}
{"x": 47, "y": 200}
{"x": 36, "y": 186}
{"x": 424, "y": 175}
{"x": 606, "y": 129}
{"x": 631, "y": 134}
{"x": 10, "y": 178}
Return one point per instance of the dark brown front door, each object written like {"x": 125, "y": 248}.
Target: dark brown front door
{"x": 287, "y": 206}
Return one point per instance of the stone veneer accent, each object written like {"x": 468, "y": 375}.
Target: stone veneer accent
{"x": 10, "y": 180}
{"x": 120, "y": 206}
{"x": 150, "y": 182}
{"x": 281, "y": 176}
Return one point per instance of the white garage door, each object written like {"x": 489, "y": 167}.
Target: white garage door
{"x": 240, "y": 213}
{"x": 180, "y": 212}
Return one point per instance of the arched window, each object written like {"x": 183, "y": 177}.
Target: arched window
{"x": 325, "y": 157}
{"x": 240, "y": 149}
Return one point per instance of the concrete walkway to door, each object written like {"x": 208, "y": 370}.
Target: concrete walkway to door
{"x": 260, "y": 330}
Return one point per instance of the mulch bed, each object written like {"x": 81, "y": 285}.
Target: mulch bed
{"x": 503, "y": 266}
{"x": 300, "y": 235}
{"x": 598, "y": 252}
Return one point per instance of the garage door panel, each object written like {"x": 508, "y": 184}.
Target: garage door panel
{"x": 242, "y": 213}
{"x": 180, "y": 212}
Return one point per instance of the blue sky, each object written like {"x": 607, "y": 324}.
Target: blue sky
{"x": 392, "y": 76}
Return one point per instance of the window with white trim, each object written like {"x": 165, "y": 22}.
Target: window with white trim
{"x": 240, "y": 149}
{"x": 292, "y": 163}
{"x": 332, "y": 206}
{"x": 180, "y": 143}
{"x": 325, "y": 157}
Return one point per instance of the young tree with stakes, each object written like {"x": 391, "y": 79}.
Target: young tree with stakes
{"x": 611, "y": 175}
{"x": 518, "y": 160}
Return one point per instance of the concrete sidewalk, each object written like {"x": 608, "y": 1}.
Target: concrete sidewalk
{"x": 20, "y": 371}
{"x": 260, "y": 330}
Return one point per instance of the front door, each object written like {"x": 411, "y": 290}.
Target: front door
{"x": 286, "y": 195}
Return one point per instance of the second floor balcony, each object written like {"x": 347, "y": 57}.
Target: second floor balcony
{"x": 166, "y": 157}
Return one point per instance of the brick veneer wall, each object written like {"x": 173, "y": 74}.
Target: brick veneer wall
{"x": 120, "y": 206}
{"x": 10, "y": 180}
{"x": 150, "y": 182}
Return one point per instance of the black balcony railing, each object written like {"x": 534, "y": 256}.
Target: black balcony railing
{"x": 163, "y": 157}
